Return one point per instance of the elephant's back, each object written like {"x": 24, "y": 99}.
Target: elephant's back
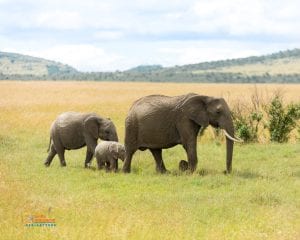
{"x": 150, "y": 104}
{"x": 67, "y": 118}
{"x": 153, "y": 103}
{"x": 151, "y": 100}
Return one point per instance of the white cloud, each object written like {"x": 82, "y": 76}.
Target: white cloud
{"x": 83, "y": 57}
{"x": 59, "y": 19}
{"x": 108, "y": 35}
{"x": 235, "y": 17}
{"x": 242, "y": 17}
{"x": 193, "y": 55}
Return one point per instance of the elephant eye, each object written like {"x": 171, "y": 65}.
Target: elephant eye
{"x": 106, "y": 131}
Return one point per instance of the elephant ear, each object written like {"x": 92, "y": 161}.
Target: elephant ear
{"x": 91, "y": 125}
{"x": 113, "y": 149}
{"x": 195, "y": 109}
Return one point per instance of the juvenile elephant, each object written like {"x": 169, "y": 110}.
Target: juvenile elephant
{"x": 156, "y": 122}
{"x": 72, "y": 130}
{"x": 107, "y": 154}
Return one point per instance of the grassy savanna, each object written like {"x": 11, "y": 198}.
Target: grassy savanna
{"x": 259, "y": 200}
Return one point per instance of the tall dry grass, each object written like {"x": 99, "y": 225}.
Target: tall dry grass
{"x": 36, "y": 104}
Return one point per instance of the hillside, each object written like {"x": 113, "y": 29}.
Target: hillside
{"x": 281, "y": 67}
{"x": 286, "y": 62}
{"x": 17, "y": 64}
{"x": 145, "y": 68}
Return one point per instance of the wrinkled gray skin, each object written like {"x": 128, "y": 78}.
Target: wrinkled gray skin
{"x": 72, "y": 130}
{"x": 107, "y": 154}
{"x": 157, "y": 122}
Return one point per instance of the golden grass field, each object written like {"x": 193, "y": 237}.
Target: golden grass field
{"x": 260, "y": 200}
{"x": 38, "y": 103}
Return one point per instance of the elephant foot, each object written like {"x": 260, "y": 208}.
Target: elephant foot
{"x": 183, "y": 165}
{"x": 227, "y": 172}
{"x": 126, "y": 170}
{"x": 162, "y": 170}
{"x": 47, "y": 164}
{"x": 63, "y": 164}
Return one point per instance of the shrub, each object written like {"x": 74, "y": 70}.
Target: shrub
{"x": 247, "y": 125}
{"x": 247, "y": 118}
{"x": 282, "y": 120}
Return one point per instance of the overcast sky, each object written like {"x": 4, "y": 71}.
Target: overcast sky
{"x": 105, "y": 35}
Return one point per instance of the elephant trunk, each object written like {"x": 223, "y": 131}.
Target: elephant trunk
{"x": 229, "y": 150}
{"x": 229, "y": 147}
{"x": 122, "y": 156}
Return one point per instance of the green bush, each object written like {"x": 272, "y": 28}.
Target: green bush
{"x": 282, "y": 120}
{"x": 247, "y": 125}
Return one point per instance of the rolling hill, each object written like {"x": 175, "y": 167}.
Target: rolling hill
{"x": 12, "y": 64}
{"x": 286, "y": 62}
{"x": 280, "y": 67}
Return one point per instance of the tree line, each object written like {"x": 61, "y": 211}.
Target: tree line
{"x": 165, "y": 76}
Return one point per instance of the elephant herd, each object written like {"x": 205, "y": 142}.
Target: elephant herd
{"x": 153, "y": 122}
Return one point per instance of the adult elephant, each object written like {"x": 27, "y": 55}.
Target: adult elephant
{"x": 157, "y": 122}
{"x": 72, "y": 130}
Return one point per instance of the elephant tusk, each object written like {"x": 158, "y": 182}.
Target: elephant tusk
{"x": 241, "y": 140}
{"x": 232, "y": 138}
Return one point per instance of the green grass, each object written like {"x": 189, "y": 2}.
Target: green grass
{"x": 259, "y": 200}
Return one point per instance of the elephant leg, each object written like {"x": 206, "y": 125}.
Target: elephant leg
{"x": 51, "y": 155}
{"x": 190, "y": 147}
{"x": 60, "y": 152}
{"x": 107, "y": 166}
{"x": 188, "y": 134}
{"x": 61, "y": 155}
{"x": 160, "y": 166}
{"x": 88, "y": 158}
{"x": 114, "y": 165}
{"x": 91, "y": 145}
{"x": 100, "y": 164}
{"x": 127, "y": 161}
{"x": 191, "y": 151}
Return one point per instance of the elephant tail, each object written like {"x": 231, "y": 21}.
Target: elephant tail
{"x": 50, "y": 139}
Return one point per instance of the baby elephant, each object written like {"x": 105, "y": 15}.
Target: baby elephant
{"x": 107, "y": 154}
